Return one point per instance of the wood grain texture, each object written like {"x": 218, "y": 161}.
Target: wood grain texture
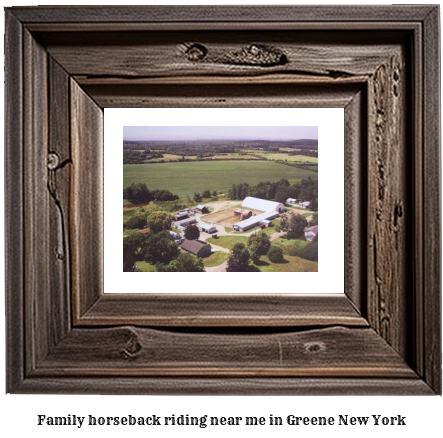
{"x": 14, "y": 203}
{"x": 165, "y": 54}
{"x": 59, "y": 178}
{"x": 86, "y": 208}
{"x": 64, "y": 65}
{"x": 37, "y": 254}
{"x": 387, "y": 204}
{"x": 223, "y": 14}
{"x": 206, "y": 310}
{"x": 355, "y": 180}
{"x": 418, "y": 209}
{"x": 196, "y": 95}
{"x": 432, "y": 334}
{"x": 226, "y": 386}
{"x": 129, "y": 351}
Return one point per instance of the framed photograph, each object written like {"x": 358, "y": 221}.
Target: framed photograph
{"x": 213, "y": 187}
{"x": 220, "y": 198}
{"x": 371, "y": 326}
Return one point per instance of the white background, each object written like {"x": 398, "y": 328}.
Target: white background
{"x": 330, "y": 122}
{"x": 18, "y": 413}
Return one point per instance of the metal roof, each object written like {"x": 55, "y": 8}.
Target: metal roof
{"x": 256, "y": 219}
{"x": 262, "y": 204}
{"x": 194, "y": 246}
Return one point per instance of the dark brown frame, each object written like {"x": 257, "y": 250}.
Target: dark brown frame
{"x": 64, "y": 65}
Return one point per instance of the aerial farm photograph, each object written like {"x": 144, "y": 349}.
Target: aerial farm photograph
{"x": 220, "y": 199}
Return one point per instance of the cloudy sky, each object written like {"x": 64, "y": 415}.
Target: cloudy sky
{"x": 219, "y": 132}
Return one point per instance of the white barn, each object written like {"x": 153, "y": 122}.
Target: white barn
{"x": 208, "y": 228}
{"x": 262, "y": 204}
{"x": 181, "y": 225}
{"x": 255, "y": 220}
{"x": 305, "y": 204}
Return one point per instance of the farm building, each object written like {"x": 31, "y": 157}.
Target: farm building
{"x": 181, "y": 215}
{"x": 255, "y": 220}
{"x": 291, "y": 201}
{"x": 177, "y": 238}
{"x": 181, "y": 225}
{"x": 304, "y": 204}
{"x": 208, "y": 228}
{"x": 196, "y": 247}
{"x": 311, "y": 232}
{"x": 243, "y": 213}
{"x": 201, "y": 208}
{"x": 262, "y": 204}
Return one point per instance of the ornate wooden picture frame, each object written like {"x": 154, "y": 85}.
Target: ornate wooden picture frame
{"x": 64, "y": 65}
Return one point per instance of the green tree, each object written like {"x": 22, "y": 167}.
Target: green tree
{"x": 163, "y": 195}
{"x": 281, "y": 194}
{"x": 185, "y": 262}
{"x": 197, "y": 197}
{"x": 296, "y": 226}
{"x": 284, "y": 223}
{"x": 309, "y": 252}
{"x": 254, "y": 253}
{"x": 258, "y": 245}
{"x": 161, "y": 248}
{"x": 270, "y": 191}
{"x": 192, "y": 232}
{"x": 159, "y": 220}
{"x": 136, "y": 222}
{"x": 314, "y": 220}
{"x": 239, "y": 259}
{"x": 232, "y": 194}
{"x": 134, "y": 247}
{"x": 138, "y": 193}
{"x": 206, "y": 193}
{"x": 275, "y": 254}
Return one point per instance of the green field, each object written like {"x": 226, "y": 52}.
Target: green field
{"x": 291, "y": 264}
{"x": 282, "y": 156}
{"x": 145, "y": 267}
{"x": 287, "y": 244}
{"x": 216, "y": 258}
{"x": 186, "y": 178}
{"x": 228, "y": 241}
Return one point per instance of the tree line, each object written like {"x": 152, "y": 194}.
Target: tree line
{"x": 138, "y": 193}
{"x": 279, "y": 191}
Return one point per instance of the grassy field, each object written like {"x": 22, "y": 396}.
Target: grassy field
{"x": 135, "y": 210}
{"x": 290, "y": 264}
{"x": 286, "y": 244}
{"x": 145, "y": 267}
{"x": 186, "y": 178}
{"x": 216, "y": 258}
{"x": 228, "y": 241}
{"x": 287, "y": 157}
{"x": 266, "y": 230}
